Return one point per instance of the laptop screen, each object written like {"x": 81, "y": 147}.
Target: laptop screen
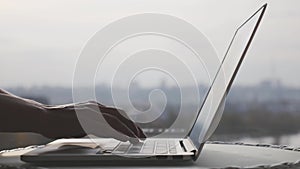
{"x": 212, "y": 108}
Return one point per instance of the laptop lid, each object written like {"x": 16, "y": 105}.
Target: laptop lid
{"x": 211, "y": 109}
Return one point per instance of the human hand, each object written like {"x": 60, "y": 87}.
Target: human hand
{"x": 98, "y": 120}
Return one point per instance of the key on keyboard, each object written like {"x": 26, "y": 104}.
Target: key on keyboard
{"x": 135, "y": 148}
{"x": 172, "y": 147}
{"x": 148, "y": 147}
{"x": 161, "y": 147}
{"x": 122, "y": 148}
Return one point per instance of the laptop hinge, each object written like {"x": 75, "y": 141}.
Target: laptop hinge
{"x": 187, "y": 145}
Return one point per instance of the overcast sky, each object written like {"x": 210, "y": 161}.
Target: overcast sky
{"x": 41, "y": 40}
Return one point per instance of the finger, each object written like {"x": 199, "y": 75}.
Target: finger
{"x": 126, "y": 134}
{"x": 121, "y": 137}
{"x": 141, "y": 135}
{"x": 130, "y": 124}
{"x": 111, "y": 126}
{"x": 119, "y": 114}
{"x": 138, "y": 132}
{"x": 118, "y": 125}
{"x": 122, "y": 116}
{"x": 134, "y": 140}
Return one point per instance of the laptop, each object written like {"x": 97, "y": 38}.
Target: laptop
{"x": 84, "y": 151}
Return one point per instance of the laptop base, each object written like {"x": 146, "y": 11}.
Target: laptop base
{"x": 71, "y": 152}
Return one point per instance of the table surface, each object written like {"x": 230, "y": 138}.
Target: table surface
{"x": 213, "y": 155}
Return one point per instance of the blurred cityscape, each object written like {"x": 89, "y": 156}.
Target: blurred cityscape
{"x": 268, "y": 112}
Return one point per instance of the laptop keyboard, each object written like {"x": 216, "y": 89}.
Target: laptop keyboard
{"x": 147, "y": 147}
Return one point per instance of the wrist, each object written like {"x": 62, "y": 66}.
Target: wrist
{"x": 61, "y": 123}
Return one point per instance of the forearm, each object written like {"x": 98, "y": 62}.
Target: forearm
{"x": 19, "y": 115}
{"x": 23, "y": 115}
